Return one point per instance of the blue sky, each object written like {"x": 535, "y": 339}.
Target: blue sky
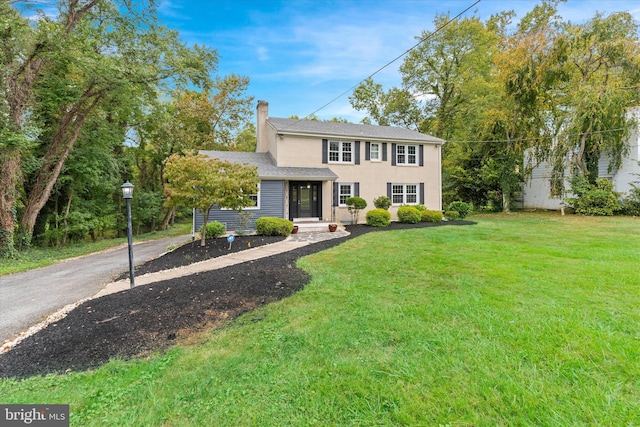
{"x": 299, "y": 54}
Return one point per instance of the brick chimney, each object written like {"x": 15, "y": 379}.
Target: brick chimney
{"x": 262, "y": 143}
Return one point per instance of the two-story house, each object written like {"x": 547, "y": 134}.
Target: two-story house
{"x": 308, "y": 169}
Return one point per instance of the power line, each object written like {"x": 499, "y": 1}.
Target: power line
{"x": 535, "y": 138}
{"x": 389, "y": 63}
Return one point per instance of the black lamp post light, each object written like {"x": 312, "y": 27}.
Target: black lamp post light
{"x": 127, "y": 194}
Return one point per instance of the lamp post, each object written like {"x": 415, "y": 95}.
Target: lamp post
{"x": 127, "y": 194}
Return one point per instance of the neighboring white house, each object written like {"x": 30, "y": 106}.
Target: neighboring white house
{"x": 537, "y": 190}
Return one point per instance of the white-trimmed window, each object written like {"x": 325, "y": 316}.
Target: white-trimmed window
{"x": 256, "y": 200}
{"x": 374, "y": 151}
{"x": 407, "y": 154}
{"x": 404, "y": 194}
{"x": 340, "y": 152}
{"x": 344, "y": 192}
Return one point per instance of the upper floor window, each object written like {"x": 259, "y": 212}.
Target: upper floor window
{"x": 374, "y": 151}
{"x": 340, "y": 152}
{"x": 407, "y": 154}
{"x": 404, "y": 194}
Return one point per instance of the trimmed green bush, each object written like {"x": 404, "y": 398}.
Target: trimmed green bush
{"x": 272, "y": 226}
{"x": 463, "y": 209}
{"x": 452, "y": 215}
{"x": 597, "y": 199}
{"x": 421, "y": 208}
{"x": 378, "y": 217}
{"x": 409, "y": 215}
{"x": 214, "y": 229}
{"x": 382, "y": 202}
{"x": 631, "y": 203}
{"x": 431, "y": 216}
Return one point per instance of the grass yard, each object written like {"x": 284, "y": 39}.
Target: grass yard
{"x": 520, "y": 320}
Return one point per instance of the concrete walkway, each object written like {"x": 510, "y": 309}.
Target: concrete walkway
{"x": 292, "y": 242}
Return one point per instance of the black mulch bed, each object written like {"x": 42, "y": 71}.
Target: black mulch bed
{"x": 150, "y": 318}
{"x": 192, "y": 252}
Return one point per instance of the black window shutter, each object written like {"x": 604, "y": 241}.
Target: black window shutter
{"x": 421, "y": 191}
{"x": 384, "y": 151}
{"x": 367, "y": 150}
{"x": 325, "y": 151}
{"x": 388, "y": 189}
{"x": 356, "y": 189}
{"x": 393, "y": 154}
{"x": 421, "y": 155}
{"x": 357, "y": 152}
{"x": 335, "y": 193}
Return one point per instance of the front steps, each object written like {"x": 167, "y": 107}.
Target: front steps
{"x": 305, "y": 226}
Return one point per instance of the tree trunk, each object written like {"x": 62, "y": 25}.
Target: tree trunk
{"x": 579, "y": 156}
{"x": 65, "y": 222}
{"x": 506, "y": 201}
{"x": 203, "y": 234}
{"x": 10, "y": 174}
{"x": 54, "y": 159}
{"x": 168, "y": 217}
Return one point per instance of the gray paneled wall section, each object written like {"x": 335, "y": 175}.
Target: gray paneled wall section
{"x": 271, "y": 204}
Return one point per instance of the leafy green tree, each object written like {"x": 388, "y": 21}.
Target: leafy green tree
{"x": 198, "y": 182}
{"x": 600, "y": 62}
{"x": 61, "y": 72}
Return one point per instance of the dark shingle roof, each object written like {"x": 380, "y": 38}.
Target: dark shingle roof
{"x": 349, "y": 130}
{"x": 267, "y": 168}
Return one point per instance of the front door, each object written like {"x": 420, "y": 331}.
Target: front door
{"x": 305, "y": 199}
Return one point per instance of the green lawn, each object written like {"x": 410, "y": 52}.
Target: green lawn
{"x": 520, "y": 320}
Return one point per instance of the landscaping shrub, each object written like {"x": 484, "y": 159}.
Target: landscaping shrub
{"x": 631, "y": 203}
{"x": 409, "y": 215}
{"x": 597, "y": 199}
{"x": 378, "y": 217}
{"x": 355, "y": 204}
{"x": 463, "y": 209}
{"x": 452, "y": 215}
{"x": 272, "y": 226}
{"x": 382, "y": 202}
{"x": 214, "y": 229}
{"x": 431, "y": 216}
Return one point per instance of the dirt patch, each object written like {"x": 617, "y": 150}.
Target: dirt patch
{"x": 153, "y": 317}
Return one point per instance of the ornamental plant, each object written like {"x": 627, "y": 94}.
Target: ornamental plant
{"x": 214, "y": 229}
{"x": 355, "y": 204}
{"x": 597, "y": 199}
{"x": 409, "y": 215}
{"x": 431, "y": 216}
{"x": 378, "y": 218}
{"x": 463, "y": 209}
{"x": 272, "y": 226}
{"x": 452, "y": 215}
{"x": 382, "y": 202}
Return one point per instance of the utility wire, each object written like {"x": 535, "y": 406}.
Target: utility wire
{"x": 535, "y": 138}
{"x": 424, "y": 39}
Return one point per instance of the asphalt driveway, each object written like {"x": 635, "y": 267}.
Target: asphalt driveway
{"x": 27, "y": 298}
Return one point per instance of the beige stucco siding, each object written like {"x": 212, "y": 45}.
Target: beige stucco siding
{"x": 372, "y": 176}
